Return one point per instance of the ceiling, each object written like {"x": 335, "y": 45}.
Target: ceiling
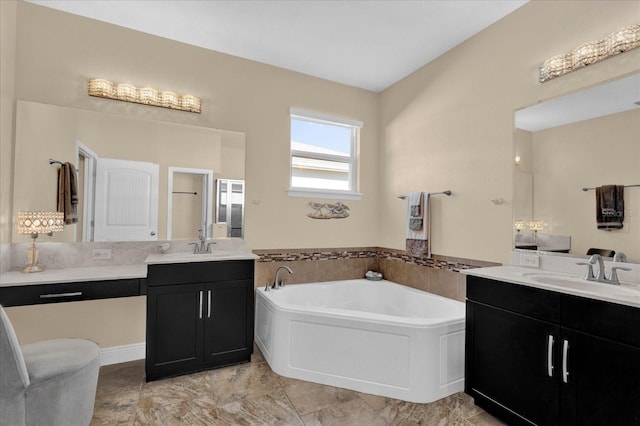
{"x": 365, "y": 44}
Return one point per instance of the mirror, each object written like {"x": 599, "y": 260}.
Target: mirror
{"x": 116, "y": 158}
{"x": 583, "y": 140}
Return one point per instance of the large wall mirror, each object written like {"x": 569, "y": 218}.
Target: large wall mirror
{"x": 580, "y": 141}
{"x": 137, "y": 180}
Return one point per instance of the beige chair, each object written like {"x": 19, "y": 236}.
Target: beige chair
{"x": 46, "y": 383}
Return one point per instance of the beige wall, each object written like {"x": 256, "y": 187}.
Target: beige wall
{"x": 58, "y": 52}
{"x": 449, "y": 125}
{"x": 591, "y": 153}
{"x": 7, "y": 106}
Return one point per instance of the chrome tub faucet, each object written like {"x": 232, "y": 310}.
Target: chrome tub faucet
{"x": 277, "y": 284}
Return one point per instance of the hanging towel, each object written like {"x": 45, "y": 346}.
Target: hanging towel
{"x": 417, "y": 244}
{"x": 610, "y": 206}
{"x": 68, "y": 193}
{"x": 416, "y": 201}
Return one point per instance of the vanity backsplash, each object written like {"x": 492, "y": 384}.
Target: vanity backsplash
{"x": 74, "y": 255}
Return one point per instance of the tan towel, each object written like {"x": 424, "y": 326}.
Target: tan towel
{"x": 610, "y": 206}
{"x": 68, "y": 193}
{"x": 417, "y": 243}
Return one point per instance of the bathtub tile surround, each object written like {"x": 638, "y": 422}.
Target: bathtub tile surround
{"x": 252, "y": 394}
{"x": 438, "y": 275}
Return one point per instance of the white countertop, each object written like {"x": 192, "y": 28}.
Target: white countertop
{"x": 215, "y": 255}
{"x": 66, "y": 275}
{"x": 624, "y": 294}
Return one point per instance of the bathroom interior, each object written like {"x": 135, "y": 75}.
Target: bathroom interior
{"x": 522, "y": 196}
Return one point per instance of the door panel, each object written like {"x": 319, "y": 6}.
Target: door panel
{"x": 510, "y": 363}
{"x": 174, "y": 328}
{"x": 126, "y": 198}
{"x": 228, "y": 326}
{"x": 603, "y": 383}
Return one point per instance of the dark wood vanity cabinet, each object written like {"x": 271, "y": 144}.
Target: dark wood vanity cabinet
{"x": 544, "y": 358}
{"x": 36, "y": 294}
{"x": 199, "y": 316}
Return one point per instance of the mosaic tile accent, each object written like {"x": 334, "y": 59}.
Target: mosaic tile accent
{"x": 436, "y": 262}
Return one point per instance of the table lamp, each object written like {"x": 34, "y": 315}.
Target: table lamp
{"x": 35, "y": 223}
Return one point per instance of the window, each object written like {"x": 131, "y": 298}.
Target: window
{"x": 323, "y": 155}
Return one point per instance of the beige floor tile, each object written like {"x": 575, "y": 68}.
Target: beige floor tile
{"x": 201, "y": 411}
{"x": 308, "y": 397}
{"x": 175, "y": 390}
{"x": 354, "y": 412}
{"x": 113, "y": 415}
{"x": 268, "y": 409}
{"x": 484, "y": 419}
{"x": 462, "y": 404}
{"x": 434, "y": 414}
{"x": 242, "y": 381}
{"x": 251, "y": 394}
{"x": 376, "y": 402}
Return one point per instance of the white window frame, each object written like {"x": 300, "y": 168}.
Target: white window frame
{"x": 352, "y": 194}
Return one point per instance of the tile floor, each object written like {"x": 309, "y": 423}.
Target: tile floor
{"x": 252, "y": 394}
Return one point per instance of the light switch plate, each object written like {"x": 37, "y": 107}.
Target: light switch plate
{"x": 101, "y": 254}
{"x": 531, "y": 260}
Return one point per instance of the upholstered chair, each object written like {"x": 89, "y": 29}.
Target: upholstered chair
{"x": 46, "y": 383}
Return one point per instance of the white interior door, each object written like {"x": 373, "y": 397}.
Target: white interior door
{"x": 126, "y": 203}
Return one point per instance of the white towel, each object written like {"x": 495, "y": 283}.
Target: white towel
{"x": 417, "y": 244}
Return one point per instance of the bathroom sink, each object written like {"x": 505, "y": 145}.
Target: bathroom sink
{"x": 199, "y": 257}
{"x": 580, "y": 284}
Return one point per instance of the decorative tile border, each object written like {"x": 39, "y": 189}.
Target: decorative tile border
{"x": 436, "y": 262}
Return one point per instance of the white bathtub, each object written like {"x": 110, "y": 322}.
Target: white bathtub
{"x": 379, "y": 337}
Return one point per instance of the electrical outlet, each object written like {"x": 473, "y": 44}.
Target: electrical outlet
{"x": 532, "y": 260}
{"x": 101, "y": 254}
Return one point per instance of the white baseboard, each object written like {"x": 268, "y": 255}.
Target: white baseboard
{"x": 118, "y": 354}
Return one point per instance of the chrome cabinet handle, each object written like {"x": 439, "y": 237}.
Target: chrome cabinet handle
{"x": 209, "y": 304}
{"x": 565, "y": 352}
{"x": 54, "y": 295}
{"x": 200, "y": 315}
{"x": 550, "y": 356}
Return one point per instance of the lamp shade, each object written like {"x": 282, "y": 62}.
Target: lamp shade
{"x": 40, "y": 222}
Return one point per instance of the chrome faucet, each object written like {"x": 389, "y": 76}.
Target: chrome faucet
{"x": 203, "y": 246}
{"x": 277, "y": 284}
{"x": 619, "y": 257}
{"x": 601, "y": 276}
{"x": 596, "y": 258}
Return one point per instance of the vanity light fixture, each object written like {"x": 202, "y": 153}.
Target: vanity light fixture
{"x": 536, "y": 225}
{"x": 589, "y": 53}
{"x": 34, "y": 223}
{"x": 102, "y": 88}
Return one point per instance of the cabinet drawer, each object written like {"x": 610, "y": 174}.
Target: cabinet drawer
{"x": 611, "y": 321}
{"x": 198, "y": 272}
{"x": 68, "y": 292}
{"x": 532, "y": 302}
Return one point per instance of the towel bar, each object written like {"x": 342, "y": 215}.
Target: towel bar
{"x": 447, "y": 193}
{"x": 626, "y": 186}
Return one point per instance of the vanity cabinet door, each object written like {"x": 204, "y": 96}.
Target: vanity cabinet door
{"x": 174, "y": 329}
{"x": 229, "y": 322}
{"x": 603, "y": 382}
{"x": 509, "y": 361}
